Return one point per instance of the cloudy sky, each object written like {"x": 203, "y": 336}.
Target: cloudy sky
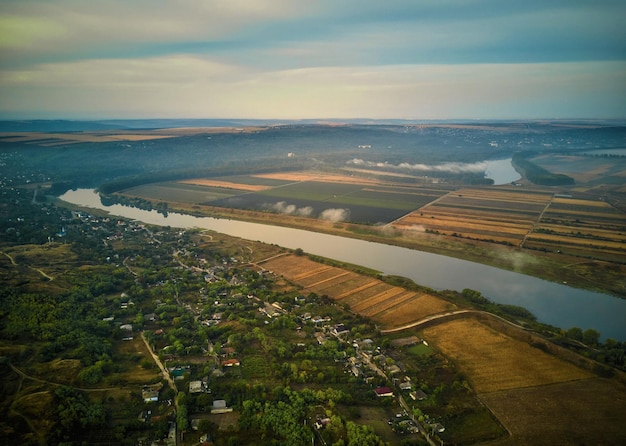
{"x": 292, "y": 59}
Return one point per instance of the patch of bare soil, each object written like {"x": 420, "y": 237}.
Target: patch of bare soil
{"x": 585, "y": 412}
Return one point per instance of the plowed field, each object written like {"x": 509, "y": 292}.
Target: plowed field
{"x": 390, "y": 305}
{"x": 539, "y": 398}
{"x": 503, "y": 215}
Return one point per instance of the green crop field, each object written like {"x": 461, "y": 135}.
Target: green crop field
{"x": 181, "y": 193}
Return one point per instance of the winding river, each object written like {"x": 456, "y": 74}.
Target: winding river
{"x": 552, "y": 303}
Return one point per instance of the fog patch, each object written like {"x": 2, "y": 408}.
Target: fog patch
{"x": 282, "y": 207}
{"x": 477, "y": 167}
{"x": 335, "y": 215}
{"x": 415, "y": 228}
{"x": 517, "y": 260}
{"x": 387, "y": 230}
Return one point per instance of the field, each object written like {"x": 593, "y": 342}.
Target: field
{"x": 589, "y": 411}
{"x": 305, "y": 194}
{"x": 571, "y": 236}
{"x": 502, "y": 215}
{"x": 61, "y": 139}
{"x": 496, "y": 362}
{"x": 539, "y": 398}
{"x": 585, "y": 169}
{"x": 583, "y": 227}
{"x": 537, "y": 219}
{"x": 181, "y": 193}
{"x": 384, "y": 303}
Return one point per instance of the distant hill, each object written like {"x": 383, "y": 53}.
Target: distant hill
{"x": 66, "y": 125}
{"x": 56, "y": 126}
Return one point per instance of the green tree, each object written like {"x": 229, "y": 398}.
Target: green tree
{"x": 75, "y": 413}
{"x": 182, "y": 420}
{"x": 575, "y": 333}
{"x": 360, "y": 435}
{"x": 591, "y": 337}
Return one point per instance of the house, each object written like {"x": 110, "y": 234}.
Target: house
{"x": 322, "y": 422}
{"x": 383, "y": 391}
{"x": 321, "y": 337}
{"x": 418, "y": 395}
{"x": 149, "y": 395}
{"x": 339, "y": 330}
{"x": 219, "y": 406}
{"x": 197, "y": 387}
{"x": 406, "y": 385}
{"x": 178, "y": 373}
{"x": 270, "y": 310}
{"x": 393, "y": 369}
{"x": 230, "y": 362}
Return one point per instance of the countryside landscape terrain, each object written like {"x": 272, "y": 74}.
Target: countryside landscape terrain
{"x": 119, "y": 332}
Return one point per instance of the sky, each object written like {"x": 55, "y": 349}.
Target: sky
{"x": 312, "y": 59}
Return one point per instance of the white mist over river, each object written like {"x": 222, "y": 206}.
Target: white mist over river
{"x": 552, "y": 303}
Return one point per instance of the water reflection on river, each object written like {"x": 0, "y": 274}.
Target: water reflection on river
{"x": 501, "y": 171}
{"x": 552, "y": 303}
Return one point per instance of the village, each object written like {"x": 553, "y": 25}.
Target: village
{"x": 221, "y": 331}
{"x": 219, "y": 296}
{"x": 361, "y": 359}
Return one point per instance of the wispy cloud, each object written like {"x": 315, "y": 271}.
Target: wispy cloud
{"x": 444, "y": 167}
{"x": 335, "y": 215}
{"x": 294, "y": 59}
{"x": 282, "y": 207}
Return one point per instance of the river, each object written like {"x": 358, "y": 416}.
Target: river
{"x": 552, "y": 303}
{"x": 501, "y": 171}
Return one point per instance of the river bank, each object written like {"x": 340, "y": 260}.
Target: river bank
{"x": 555, "y": 267}
{"x": 556, "y": 304}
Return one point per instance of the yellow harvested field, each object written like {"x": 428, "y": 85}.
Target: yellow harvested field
{"x": 358, "y": 289}
{"x": 421, "y": 306}
{"x": 494, "y": 361}
{"x": 336, "y": 278}
{"x": 582, "y": 213}
{"x": 554, "y": 414}
{"x": 470, "y": 218}
{"x": 504, "y": 195}
{"x": 462, "y": 224}
{"x": 224, "y": 184}
{"x": 54, "y": 139}
{"x": 577, "y": 202}
{"x": 356, "y": 298}
{"x": 573, "y": 240}
{"x": 599, "y": 233}
{"x": 390, "y": 305}
{"x": 311, "y": 280}
{"x": 134, "y": 137}
{"x": 310, "y": 176}
{"x": 312, "y": 272}
{"x": 366, "y": 304}
{"x": 500, "y": 215}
